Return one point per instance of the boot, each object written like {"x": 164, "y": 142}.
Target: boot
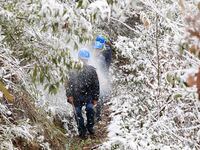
{"x": 91, "y": 131}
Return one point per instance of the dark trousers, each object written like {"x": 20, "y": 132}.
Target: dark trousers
{"x": 99, "y": 108}
{"x": 104, "y": 97}
{"x": 90, "y": 117}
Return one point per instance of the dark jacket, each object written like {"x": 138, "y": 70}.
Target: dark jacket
{"x": 83, "y": 85}
{"x": 107, "y": 53}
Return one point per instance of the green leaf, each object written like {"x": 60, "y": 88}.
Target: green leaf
{"x": 62, "y": 80}
{"x": 48, "y": 77}
{"x": 110, "y": 2}
{"x": 59, "y": 59}
{"x": 55, "y": 27}
{"x": 177, "y": 78}
{"x": 44, "y": 28}
{"x": 50, "y": 12}
{"x": 177, "y": 96}
{"x": 35, "y": 73}
{"x": 42, "y": 77}
{"x": 80, "y": 3}
{"x": 169, "y": 78}
{"x": 76, "y": 32}
{"x": 91, "y": 17}
{"x": 67, "y": 52}
{"x": 80, "y": 39}
{"x": 65, "y": 11}
{"x": 54, "y": 60}
{"x": 56, "y": 14}
{"x": 46, "y": 86}
{"x": 57, "y": 84}
{"x": 6, "y": 93}
{"x": 75, "y": 46}
{"x": 62, "y": 54}
{"x": 52, "y": 89}
{"x": 181, "y": 49}
{"x": 68, "y": 40}
{"x": 95, "y": 16}
{"x": 46, "y": 68}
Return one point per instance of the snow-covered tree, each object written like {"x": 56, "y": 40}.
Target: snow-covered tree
{"x": 152, "y": 108}
{"x": 154, "y": 40}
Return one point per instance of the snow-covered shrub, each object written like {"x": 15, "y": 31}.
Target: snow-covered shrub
{"x": 152, "y": 108}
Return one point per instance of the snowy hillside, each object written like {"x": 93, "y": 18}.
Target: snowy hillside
{"x": 156, "y": 46}
{"x": 148, "y": 116}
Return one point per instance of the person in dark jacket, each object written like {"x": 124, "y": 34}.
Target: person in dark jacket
{"x": 102, "y": 47}
{"x": 83, "y": 89}
{"x": 103, "y": 58}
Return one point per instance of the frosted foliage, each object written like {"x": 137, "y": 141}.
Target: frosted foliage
{"x": 25, "y": 131}
{"x": 33, "y": 33}
{"x": 46, "y": 30}
{"x": 10, "y": 132}
{"x": 57, "y": 105}
{"x": 145, "y": 118}
{"x": 151, "y": 107}
{"x": 101, "y": 8}
{"x": 151, "y": 111}
{"x": 121, "y": 9}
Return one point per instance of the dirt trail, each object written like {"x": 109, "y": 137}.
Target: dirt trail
{"x": 93, "y": 142}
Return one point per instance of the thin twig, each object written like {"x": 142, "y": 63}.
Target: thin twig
{"x": 157, "y": 51}
{"x": 125, "y": 25}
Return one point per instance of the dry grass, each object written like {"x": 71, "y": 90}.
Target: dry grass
{"x": 52, "y": 135}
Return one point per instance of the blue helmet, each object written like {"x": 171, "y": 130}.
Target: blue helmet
{"x": 99, "y": 42}
{"x": 101, "y": 39}
{"x": 84, "y": 54}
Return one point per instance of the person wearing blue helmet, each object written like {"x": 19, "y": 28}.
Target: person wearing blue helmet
{"x": 83, "y": 89}
{"x": 84, "y": 55}
{"x": 103, "y": 57}
{"x": 99, "y": 42}
{"x": 102, "y": 47}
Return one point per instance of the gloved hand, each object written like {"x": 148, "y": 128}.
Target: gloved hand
{"x": 70, "y": 99}
{"x": 94, "y": 102}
